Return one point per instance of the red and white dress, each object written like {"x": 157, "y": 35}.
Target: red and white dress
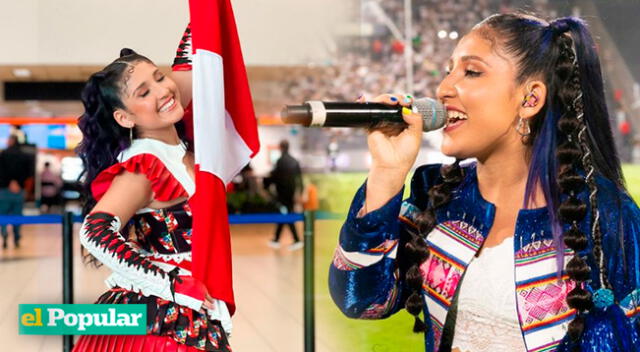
{"x": 150, "y": 257}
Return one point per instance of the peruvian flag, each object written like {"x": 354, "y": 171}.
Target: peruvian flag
{"x": 225, "y": 138}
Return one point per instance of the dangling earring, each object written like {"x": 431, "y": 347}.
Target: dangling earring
{"x": 130, "y": 134}
{"x": 523, "y": 127}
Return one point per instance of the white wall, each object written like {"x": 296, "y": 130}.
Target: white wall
{"x": 91, "y": 32}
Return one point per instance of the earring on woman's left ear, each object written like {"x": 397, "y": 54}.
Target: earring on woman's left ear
{"x": 523, "y": 127}
{"x": 131, "y": 134}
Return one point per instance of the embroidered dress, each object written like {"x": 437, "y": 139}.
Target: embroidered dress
{"x": 150, "y": 257}
{"x": 366, "y": 276}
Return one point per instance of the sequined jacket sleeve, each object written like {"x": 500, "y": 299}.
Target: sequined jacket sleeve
{"x": 366, "y": 275}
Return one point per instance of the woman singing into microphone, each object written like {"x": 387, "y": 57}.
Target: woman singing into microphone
{"x": 139, "y": 177}
{"x": 534, "y": 246}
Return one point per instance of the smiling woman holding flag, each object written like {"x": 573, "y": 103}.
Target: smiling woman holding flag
{"x": 156, "y": 209}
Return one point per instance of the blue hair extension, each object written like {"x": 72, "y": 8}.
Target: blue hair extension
{"x": 543, "y": 171}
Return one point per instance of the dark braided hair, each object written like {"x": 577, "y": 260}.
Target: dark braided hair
{"x": 571, "y": 151}
{"x": 571, "y": 142}
{"x": 416, "y": 251}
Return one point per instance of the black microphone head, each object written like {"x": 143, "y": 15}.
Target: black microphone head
{"x": 434, "y": 114}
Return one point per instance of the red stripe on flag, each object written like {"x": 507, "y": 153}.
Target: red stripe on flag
{"x": 213, "y": 250}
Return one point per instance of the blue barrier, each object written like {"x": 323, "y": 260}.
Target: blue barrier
{"x": 265, "y": 218}
{"x": 234, "y": 219}
{"x": 31, "y": 219}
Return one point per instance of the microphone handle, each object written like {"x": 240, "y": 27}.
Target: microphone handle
{"x": 342, "y": 114}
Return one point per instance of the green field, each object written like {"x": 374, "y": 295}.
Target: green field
{"x": 632, "y": 177}
{"x": 389, "y": 335}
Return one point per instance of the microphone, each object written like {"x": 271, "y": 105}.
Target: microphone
{"x": 351, "y": 114}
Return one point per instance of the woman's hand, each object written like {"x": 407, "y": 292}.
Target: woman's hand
{"x": 393, "y": 148}
{"x": 217, "y": 312}
{"x": 393, "y": 153}
{"x": 208, "y": 302}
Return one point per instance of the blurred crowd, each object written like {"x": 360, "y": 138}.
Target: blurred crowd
{"x": 374, "y": 62}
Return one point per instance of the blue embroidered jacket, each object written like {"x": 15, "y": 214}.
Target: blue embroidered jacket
{"x": 366, "y": 276}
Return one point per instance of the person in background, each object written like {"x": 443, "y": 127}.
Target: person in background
{"x": 247, "y": 181}
{"x": 287, "y": 178}
{"x": 332, "y": 151}
{"x": 14, "y": 171}
{"x": 51, "y": 183}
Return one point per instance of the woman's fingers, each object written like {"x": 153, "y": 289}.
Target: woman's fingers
{"x": 394, "y": 99}
{"x": 389, "y": 99}
{"x": 406, "y": 100}
{"x": 391, "y": 129}
{"x": 413, "y": 120}
{"x": 209, "y": 302}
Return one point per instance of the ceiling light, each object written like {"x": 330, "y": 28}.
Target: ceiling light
{"x": 22, "y": 72}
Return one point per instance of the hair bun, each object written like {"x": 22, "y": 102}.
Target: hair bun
{"x": 126, "y": 52}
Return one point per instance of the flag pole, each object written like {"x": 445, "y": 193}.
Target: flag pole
{"x": 309, "y": 311}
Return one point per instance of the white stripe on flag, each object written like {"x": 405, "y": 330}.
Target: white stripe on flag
{"x": 219, "y": 148}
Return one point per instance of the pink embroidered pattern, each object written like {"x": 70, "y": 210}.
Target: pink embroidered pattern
{"x": 544, "y": 302}
{"x": 443, "y": 269}
{"x": 541, "y": 299}
{"x": 442, "y": 277}
{"x": 437, "y": 328}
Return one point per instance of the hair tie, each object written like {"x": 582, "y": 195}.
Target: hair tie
{"x": 560, "y": 26}
{"x": 130, "y": 65}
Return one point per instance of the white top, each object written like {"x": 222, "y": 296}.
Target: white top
{"x": 487, "y": 318}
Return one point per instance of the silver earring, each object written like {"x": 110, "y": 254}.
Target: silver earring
{"x": 523, "y": 127}
{"x": 130, "y": 134}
